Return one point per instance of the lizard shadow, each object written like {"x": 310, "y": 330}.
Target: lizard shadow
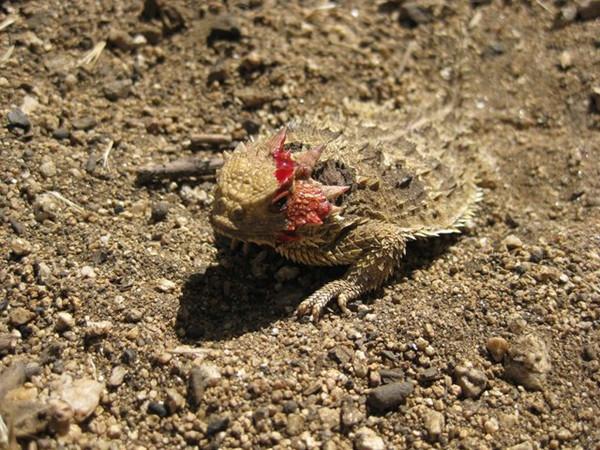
{"x": 247, "y": 293}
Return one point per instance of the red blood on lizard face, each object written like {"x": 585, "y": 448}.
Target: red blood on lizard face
{"x": 285, "y": 166}
{"x": 307, "y": 205}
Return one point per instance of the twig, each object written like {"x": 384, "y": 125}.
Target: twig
{"x": 7, "y": 55}
{"x": 7, "y": 22}
{"x": 185, "y": 350}
{"x": 106, "y": 153}
{"x": 410, "y": 48}
{"x": 62, "y": 198}
{"x": 543, "y": 5}
{"x": 180, "y": 168}
{"x": 201, "y": 140}
{"x": 92, "y": 56}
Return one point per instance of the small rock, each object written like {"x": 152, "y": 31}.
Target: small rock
{"x": 472, "y": 381}
{"x": 497, "y": 347}
{"x": 565, "y": 60}
{"x": 20, "y": 316}
{"x": 98, "y": 329}
{"x": 341, "y": 354}
{"x": 87, "y": 272}
{"x": 45, "y": 207}
{"x": 164, "y": 285}
{"x": 389, "y": 396}
{"x": 117, "y": 89}
{"x": 120, "y": 39}
{"x": 29, "y": 104}
{"x": 48, "y": 169}
{"x": 117, "y": 375}
{"x": 64, "y": 321}
{"x": 201, "y": 377}
{"x": 8, "y": 343}
{"x": 434, "y": 423}
{"x": 528, "y": 362}
{"x": 20, "y": 247}
{"x": 295, "y": 424}
{"x": 217, "y": 424}
{"x": 491, "y": 426}
{"x": 160, "y": 210}
{"x": 175, "y": 401}
{"x": 512, "y": 242}
{"x": 157, "y": 408}
{"x": 367, "y": 439}
{"x": 61, "y": 133}
{"x": 83, "y": 395}
{"x": 84, "y": 123}
{"x": 133, "y": 315}
{"x": 18, "y": 119}
{"x": 415, "y": 14}
{"x": 350, "y": 415}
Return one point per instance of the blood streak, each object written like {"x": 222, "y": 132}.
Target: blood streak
{"x": 307, "y": 205}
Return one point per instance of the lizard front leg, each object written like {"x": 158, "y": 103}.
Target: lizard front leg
{"x": 372, "y": 267}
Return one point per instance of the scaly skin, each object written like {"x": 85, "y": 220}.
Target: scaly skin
{"x": 345, "y": 193}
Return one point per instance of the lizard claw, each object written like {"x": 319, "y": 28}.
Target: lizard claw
{"x": 316, "y": 303}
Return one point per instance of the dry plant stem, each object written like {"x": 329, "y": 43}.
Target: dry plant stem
{"x": 183, "y": 167}
{"x": 209, "y": 139}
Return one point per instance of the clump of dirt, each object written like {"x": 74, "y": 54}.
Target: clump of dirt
{"x": 123, "y": 325}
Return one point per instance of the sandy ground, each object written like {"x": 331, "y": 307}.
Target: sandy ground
{"x": 124, "y": 325}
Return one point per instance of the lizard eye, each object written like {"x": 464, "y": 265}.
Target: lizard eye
{"x": 238, "y": 213}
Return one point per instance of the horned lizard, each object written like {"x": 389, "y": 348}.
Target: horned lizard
{"x": 347, "y": 192}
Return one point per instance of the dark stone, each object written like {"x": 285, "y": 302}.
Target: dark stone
{"x": 290, "y": 406}
{"x": 61, "y": 133}
{"x": 117, "y": 89}
{"x": 129, "y": 356}
{"x": 389, "y": 396}
{"x": 341, "y": 354}
{"x": 18, "y": 119}
{"x": 160, "y": 210}
{"x": 217, "y": 424}
{"x": 158, "y": 409}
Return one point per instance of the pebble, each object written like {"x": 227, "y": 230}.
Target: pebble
{"x": 160, "y": 210}
{"x": 201, "y": 377}
{"x": 87, "y": 272}
{"x": 48, "y": 169}
{"x": 117, "y": 375}
{"x": 565, "y": 60}
{"x": 512, "y": 242}
{"x": 434, "y": 423}
{"x": 295, "y": 424}
{"x": 472, "y": 381}
{"x": 287, "y": 273}
{"x": 367, "y": 439}
{"x": 83, "y": 395}
{"x": 45, "y": 207}
{"x": 98, "y": 329}
{"x": 20, "y": 316}
{"x": 157, "y": 408}
{"x": 389, "y": 396}
{"x": 528, "y": 362}
{"x": 341, "y": 354}
{"x": 217, "y": 424}
{"x": 18, "y": 119}
{"x": 84, "y": 123}
{"x": 175, "y": 401}
{"x": 20, "y": 247}
{"x": 120, "y": 39}
{"x": 133, "y": 315}
{"x": 64, "y": 321}
{"x": 491, "y": 426}
{"x": 350, "y": 415}
{"x": 61, "y": 133}
{"x": 164, "y": 285}
{"x": 595, "y": 99}
{"x": 118, "y": 89}
{"x": 497, "y": 347}
{"x": 522, "y": 446}
{"x": 8, "y": 343}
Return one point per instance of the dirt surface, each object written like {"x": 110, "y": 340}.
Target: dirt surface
{"x": 124, "y": 325}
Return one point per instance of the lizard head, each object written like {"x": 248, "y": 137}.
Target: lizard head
{"x": 265, "y": 193}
